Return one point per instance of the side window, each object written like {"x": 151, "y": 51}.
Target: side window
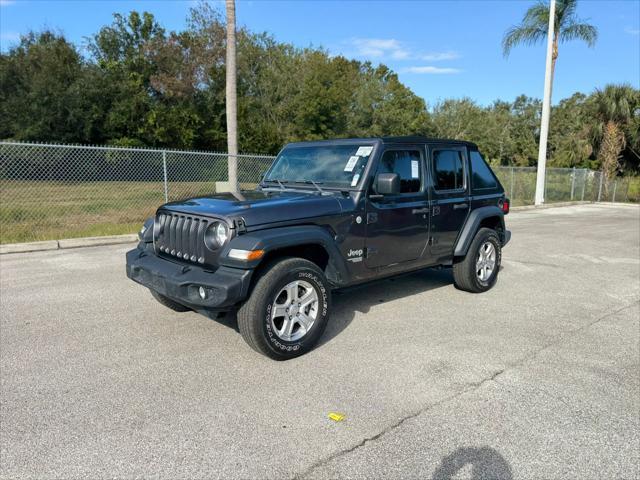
{"x": 407, "y": 164}
{"x": 448, "y": 170}
{"x": 481, "y": 175}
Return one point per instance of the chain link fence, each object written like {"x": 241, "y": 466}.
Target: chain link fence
{"x": 566, "y": 185}
{"x": 61, "y": 191}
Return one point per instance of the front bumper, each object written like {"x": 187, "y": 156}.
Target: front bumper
{"x": 224, "y": 286}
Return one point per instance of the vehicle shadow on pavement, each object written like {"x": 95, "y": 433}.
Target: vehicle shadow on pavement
{"x": 486, "y": 463}
{"x": 348, "y": 301}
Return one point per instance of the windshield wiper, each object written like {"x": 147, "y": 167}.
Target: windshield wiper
{"x": 311, "y": 182}
{"x": 279, "y": 182}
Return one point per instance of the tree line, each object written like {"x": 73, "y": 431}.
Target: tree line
{"x": 135, "y": 84}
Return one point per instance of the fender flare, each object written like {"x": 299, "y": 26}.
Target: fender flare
{"x": 472, "y": 225}
{"x": 273, "y": 239}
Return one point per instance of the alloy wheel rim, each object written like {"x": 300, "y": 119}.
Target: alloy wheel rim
{"x": 486, "y": 261}
{"x": 294, "y": 310}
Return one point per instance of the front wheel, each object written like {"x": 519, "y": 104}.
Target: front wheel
{"x": 288, "y": 309}
{"x": 478, "y": 271}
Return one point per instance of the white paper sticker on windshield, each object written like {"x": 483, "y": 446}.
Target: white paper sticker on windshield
{"x": 356, "y": 177}
{"x": 414, "y": 169}
{"x": 364, "y": 151}
{"x": 351, "y": 163}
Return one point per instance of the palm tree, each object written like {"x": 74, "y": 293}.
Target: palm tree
{"x": 232, "y": 98}
{"x": 534, "y": 26}
{"x": 615, "y": 107}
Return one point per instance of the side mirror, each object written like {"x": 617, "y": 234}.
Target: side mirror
{"x": 387, "y": 184}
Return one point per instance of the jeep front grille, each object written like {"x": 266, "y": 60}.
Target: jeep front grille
{"x": 181, "y": 236}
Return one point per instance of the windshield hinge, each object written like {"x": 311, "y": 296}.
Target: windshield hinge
{"x": 240, "y": 225}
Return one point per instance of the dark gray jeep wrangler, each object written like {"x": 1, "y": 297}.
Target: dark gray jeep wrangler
{"x": 326, "y": 215}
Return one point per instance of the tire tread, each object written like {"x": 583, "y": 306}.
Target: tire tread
{"x": 464, "y": 275}
{"x": 251, "y": 309}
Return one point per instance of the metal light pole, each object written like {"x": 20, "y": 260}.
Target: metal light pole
{"x": 546, "y": 110}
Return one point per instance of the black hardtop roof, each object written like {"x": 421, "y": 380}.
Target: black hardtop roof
{"x": 423, "y": 139}
{"x": 409, "y": 139}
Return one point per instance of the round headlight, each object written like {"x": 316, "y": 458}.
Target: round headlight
{"x": 146, "y": 230}
{"x": 216, "y": 235}
{"x": 222, "y": 233}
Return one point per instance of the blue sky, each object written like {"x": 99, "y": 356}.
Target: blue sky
{"x": 440, "y": 49}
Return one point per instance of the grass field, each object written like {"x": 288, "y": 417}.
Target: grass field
{"x": 32, "y": 211}
{"x": 40, "y": 210}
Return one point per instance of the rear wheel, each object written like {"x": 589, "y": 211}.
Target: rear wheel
{"x": 478, "y": 271}
{"x": 288, "y": 309}
{"x": 167, "y": 302}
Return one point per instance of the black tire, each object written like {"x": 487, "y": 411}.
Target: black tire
{"x": 254, "y": 316}
{"x": 167, "y": 302}
{"x": 465, "y": 276}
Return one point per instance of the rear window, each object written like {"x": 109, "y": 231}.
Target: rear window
{"x": 481, "y": 175}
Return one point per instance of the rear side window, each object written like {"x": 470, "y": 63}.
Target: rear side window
{"x": 481, "y": 175}
{"x": 406, "y": 163}
{"x": 448, "y": 170}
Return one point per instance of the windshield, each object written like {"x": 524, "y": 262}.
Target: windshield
{"x": 330, "y": 165}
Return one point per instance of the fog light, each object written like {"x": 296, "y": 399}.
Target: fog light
{"x": 202, "y": 292}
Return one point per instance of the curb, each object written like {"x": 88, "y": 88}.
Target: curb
{"x": 548, "y": 205}
{"x": 28, "y": 247}
{"x": 67, "y": 243}
{"x": 569, "y": 204}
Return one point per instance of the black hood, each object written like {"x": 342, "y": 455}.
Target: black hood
{"x": 258, "y": 207}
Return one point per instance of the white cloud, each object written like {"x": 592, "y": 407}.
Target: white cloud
{"x": 632, "y": 31}
{"x": 428, "y": 69}
{"x": 379, "y": 47}
{"x": 400, "y": 54}
{"x": 439, "y": 56}
{"x": 391, "y": 48}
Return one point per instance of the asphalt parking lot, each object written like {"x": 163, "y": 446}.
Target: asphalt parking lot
{"x": 538, "y": 378}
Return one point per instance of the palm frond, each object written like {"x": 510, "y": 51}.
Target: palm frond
{"x": 580, "y": 31}
{"x": 565, "y": 10}
{"x": 528, "y": 35}
{"x": 615, "y": 103}
{"x": 535, "y": 22}
{"x": 537, "y": 14}
{"x": 531, "y": 30}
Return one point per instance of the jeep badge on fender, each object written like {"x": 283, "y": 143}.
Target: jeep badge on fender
{"x": 274, "y": 254}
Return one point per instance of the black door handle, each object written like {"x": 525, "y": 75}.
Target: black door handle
{"x": 460, "y": 205}
{"x": 420, "y": 210}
